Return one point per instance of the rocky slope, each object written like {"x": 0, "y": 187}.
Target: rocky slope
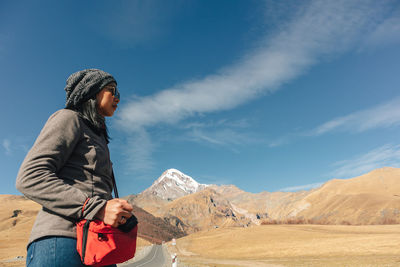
{"x": 154, "y": 229}
{"x": 373, "y": 198}
{"x": 204, "y": 210}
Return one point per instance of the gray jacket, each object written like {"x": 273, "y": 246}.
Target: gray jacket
{"x": 67, "y": 164}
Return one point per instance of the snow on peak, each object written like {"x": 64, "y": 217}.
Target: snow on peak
{"x": 173, "y": 184}
{"x": 180, "y": 178}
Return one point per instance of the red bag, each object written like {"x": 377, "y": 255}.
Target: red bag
{"x": 100, "y": 244}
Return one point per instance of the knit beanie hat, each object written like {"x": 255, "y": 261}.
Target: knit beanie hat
{"x": 84, "y": 85}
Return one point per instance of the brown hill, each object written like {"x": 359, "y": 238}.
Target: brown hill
{"x": 215, "y": 206}
{"x": 151, "y": 203}
{"x": 17, "y": 215}
{"x": 373, "y": 198}
{"x": 154, "y": 229}
{"x": 277, "y": 205}
{"x": 204, "y": 210}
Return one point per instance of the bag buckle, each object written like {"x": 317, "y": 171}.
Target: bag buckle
{"x": 102, "y": 237}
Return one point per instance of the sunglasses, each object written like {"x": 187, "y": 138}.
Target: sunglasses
{"x": 114, "y": 91}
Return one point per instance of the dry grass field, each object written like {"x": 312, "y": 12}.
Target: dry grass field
{"x": 292, "y": 245}
{"x": 17, "y": 216}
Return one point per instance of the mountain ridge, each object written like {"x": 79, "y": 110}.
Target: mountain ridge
{"x": 366, "y": 199}
{"x": 372, "y": 198}
{"x": 173, "y": 184}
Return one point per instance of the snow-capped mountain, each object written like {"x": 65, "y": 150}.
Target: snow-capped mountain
{"x": 173, "y": 184}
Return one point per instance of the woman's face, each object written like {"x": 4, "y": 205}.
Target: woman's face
{"x": 107, "y": 102}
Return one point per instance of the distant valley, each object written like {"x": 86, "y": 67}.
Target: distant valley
{"x": 373, "y": 198}
{"x": 176, "y": 206}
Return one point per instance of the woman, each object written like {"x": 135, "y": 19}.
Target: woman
{"x": 69, "y": 166}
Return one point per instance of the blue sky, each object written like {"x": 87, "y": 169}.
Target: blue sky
{"x": 266, "y": 95}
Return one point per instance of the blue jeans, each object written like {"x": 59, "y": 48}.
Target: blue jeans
{"x": 54, "y": 251}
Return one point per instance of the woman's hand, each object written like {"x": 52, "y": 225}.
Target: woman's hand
{"x": 115, "y": 212}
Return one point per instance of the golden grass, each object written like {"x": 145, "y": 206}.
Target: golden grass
{"x": 293, "y": 245}
{"x": 15, "y": 230}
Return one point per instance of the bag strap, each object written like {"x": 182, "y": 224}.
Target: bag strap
{"x": 114, "y": 185}
{"x": 84, "y": 205}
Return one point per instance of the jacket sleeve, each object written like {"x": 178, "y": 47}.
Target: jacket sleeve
{"x": 37, "y": 178}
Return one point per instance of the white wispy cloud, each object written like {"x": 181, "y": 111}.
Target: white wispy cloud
{"x": 322, "y": 28}
{"x": 316, "y": 30}
{"x": 17, "y": 145}
{"x": 223, "y": 123}
{"x": 380, "y": 116}
{"x": 300, "y": 187}
{"x": 384, "y": 115}
{"x": 227, "y": 138}
{"x": 138, "y": 149}
{"x": 387, "y": 33}
{"x": 7, "y": 146}
{"x": 384, "y": 156}
{"x": 212, "y": 180}
{"x": 224, "y": 133}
